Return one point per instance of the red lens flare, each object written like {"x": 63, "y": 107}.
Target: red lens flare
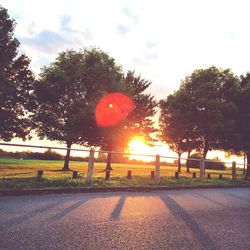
{"x": 112, "y": 109}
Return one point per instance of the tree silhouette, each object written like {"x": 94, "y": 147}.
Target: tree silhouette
{"x": 176, "y": 127}
{"x": 238, "y": 137}
{"x": 208, "y": 93}
{"x": 16, "y": 84}
{"x": 67, "y": 92}
{"x": 138, "y": 122}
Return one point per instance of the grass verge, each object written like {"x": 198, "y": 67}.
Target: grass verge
{"x": 137, "y": 181}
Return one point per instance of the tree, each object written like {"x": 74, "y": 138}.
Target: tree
{"x": 138, "y": 122}
{"x": 210, "y": 94}
{"x": 176, "y": 129}
{"x": 201, "y": 113}
{"x": 16, "y": 83}
{"x": 67, "y": 92}
{"x": 239, "y": 138}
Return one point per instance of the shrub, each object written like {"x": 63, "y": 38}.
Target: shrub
{"x": 214, "y": 164}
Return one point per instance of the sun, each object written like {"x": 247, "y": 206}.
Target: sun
{"x": 138, "y": 145}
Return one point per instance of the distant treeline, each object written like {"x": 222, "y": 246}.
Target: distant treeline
{"x": 47, "y": 155}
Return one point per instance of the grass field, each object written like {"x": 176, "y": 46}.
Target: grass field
{"x": 18, "y": 174}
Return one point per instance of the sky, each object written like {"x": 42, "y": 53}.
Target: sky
{"x": 162, "y": 40}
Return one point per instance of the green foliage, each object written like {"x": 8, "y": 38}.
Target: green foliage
{"x": 211, "y": 93}
{"x": 139, "y": 122}
{"x": 239, "y": 139}
{"x": 199, "y": 115}
{"x": 176, "y": 127}
{"x": 16, "y": 83}
{"x": 67, "y": 92}
{"x": 140, "y": 119}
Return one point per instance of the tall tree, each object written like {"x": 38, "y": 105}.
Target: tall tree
{"x": 67, "y": 92}
{"x": 139, "y": 120}
{"x": 16, "y": 83}
{"x": 176, "y": 129}
{"x": 209, "y": 92}
{"x": 239, "y": 137}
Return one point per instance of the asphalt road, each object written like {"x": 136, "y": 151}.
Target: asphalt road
{"x": 184, "y": 219}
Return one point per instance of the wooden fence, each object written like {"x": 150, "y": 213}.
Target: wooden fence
{"x": 154, "y": 174}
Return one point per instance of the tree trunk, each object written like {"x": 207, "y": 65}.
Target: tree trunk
{"x": 179, "y": 162}
{"x": 108, "y": 166}
{"x": 248, "y": 165}
{"x": 66, "y": 159}
{"x": 205, "y": 150}
{"x": 187, "y": 162}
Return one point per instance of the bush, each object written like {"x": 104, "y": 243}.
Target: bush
{"x": 51, "y": 155}
{"x": 214, "y": 164}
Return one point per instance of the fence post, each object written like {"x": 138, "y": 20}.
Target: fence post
{"x": 39, "y": 174}
{"x": 108, "y": 166}
{"x": 152, "y": 175}
{"x": 129, "y": 174}
{"x": 234, "y": 175}
{"x": 75, "y": 175}
{"x": 90, "y": 165}
{"x": 202, "y": 168}
{"x": 157, "y": 168}
{"x": 244, "y": 169}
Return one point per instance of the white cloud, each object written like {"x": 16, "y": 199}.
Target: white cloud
{"x": 162, "y": 40}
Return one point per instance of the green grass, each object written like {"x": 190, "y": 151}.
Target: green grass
{"x": 21, "y": 174}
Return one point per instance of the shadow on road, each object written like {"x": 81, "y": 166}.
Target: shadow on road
{"x": 30, "y": 214}
{"x": 211, "y": 200}
{"x": 179, "y": 212}
{"x": 237, "y": 196}
{"x": 63, "y": 212}
{"x": 115, "y": 215}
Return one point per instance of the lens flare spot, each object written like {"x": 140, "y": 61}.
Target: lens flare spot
{"x": 112, "y": 109}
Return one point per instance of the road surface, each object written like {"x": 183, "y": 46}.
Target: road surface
{"x": 184, "y": 219}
